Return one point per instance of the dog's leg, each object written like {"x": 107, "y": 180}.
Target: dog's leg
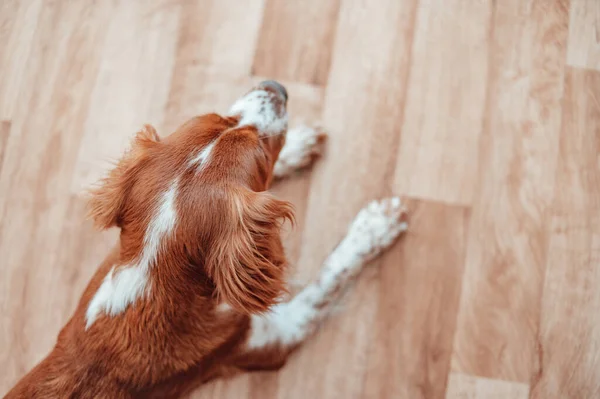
{"x": 302, "y": 145}
{"x": 275, "y": 334}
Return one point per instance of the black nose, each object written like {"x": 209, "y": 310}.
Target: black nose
{"x": 272, "y": 84}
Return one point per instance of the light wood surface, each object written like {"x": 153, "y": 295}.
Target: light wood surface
{"x": 484, "y": 114}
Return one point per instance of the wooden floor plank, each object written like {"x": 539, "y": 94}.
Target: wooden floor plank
{"x": 410, "y": 352}
{"x": 439, "y": 148}
{"x": 35, "y": 178}
{"x": 506, "y": 252}
{"x": 584, "y": 37}
{"x": 18, "y": 28}
{"x": 4, "y": 132}
{"x": 132, "y": 85}
{"x": 462, "y": 386}
{"x": 234, "y": 388}
{"x": 569, "y": 335}
{"x": 363, "y": 112}
{"x": 302, "y": 35}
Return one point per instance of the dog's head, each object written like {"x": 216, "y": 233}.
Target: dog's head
{"x": 197, "y": 199}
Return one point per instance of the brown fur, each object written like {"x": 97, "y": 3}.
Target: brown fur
{"x": 225, "y": 246}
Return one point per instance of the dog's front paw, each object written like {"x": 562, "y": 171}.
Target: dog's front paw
{"x": 303, "y": 144}
{"x": 377, "y": 226}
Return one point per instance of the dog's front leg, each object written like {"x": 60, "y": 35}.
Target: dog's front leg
{"x": 302, "y": 145}
{"x": 275, "y": 334}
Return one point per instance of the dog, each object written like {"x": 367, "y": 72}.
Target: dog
{"x": 194, "y": 289}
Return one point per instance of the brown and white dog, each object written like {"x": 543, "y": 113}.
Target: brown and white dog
{"x": 193, "y": 290}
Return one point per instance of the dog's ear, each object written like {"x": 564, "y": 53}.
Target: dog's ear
{"x": 106, "y": 200}
{"x": 247, "y": 263}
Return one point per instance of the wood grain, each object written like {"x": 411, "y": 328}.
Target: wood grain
{"x": 364, "y": 135}
{"x": 34, "y": 182}
{"x": 495, "y": 336}
{"x": 462, "y": 386}
{"x": 301, "y": 34}
{"x": 569, "y": 335}
{"x": 484, "y": 114}
{"x": 428, "y": 265}
{"x": 213, "y": 58}
{"x": 132, "y": 84}
{"x": 438, "y": 155}
{"x": 18, "y": 28}
{"x": 4, "y": 132}
{"x": 584, "y": 34}
{"x": 363, "y": 111}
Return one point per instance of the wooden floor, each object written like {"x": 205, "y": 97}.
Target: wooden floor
{"x": 485, "y": 114}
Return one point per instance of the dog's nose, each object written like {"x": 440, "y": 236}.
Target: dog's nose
{"x": 274, "y": 85}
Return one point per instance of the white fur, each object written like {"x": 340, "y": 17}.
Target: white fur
{"x": 124, "y": 285}
{"x": 116, "y": 292}
{"x": 257, "y": 108}
{"x": 223, "y": 307}
{"x": 374, "y": 228}
{"x": 286, "y": 323}
{"x": 300, "y": 144}
{"x": 202, "y": 158}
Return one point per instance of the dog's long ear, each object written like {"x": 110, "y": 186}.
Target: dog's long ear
{"x": 107, "y": 198}
{"x": 247, "y": 263}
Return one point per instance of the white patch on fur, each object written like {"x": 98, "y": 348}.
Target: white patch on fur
{"x": 122, "y": 286}
{"x": 301, "y": 144}
{"x": 286, "y": 323}
{"x": 201, "y": 159}
{"x": 223, "y": 307}
{"x": 116, "y": 292}
{"x": 373, "y": 229}
{"x": 257, "y": 108}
